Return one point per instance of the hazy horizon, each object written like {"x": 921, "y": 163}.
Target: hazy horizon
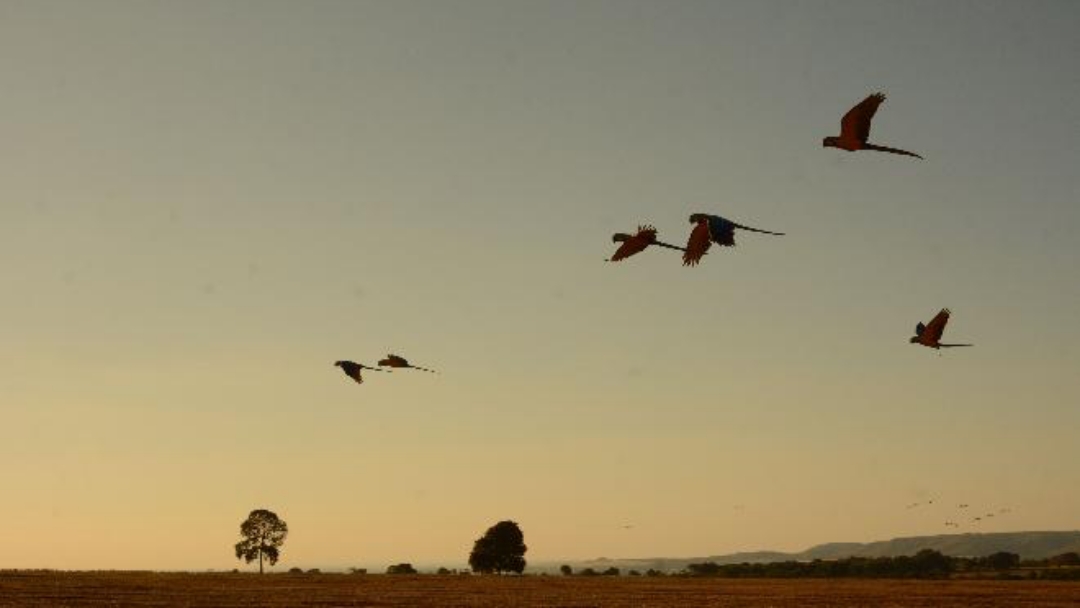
{"x": 205, "y": 205}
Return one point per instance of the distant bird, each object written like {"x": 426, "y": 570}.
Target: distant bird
{"x": 709, "y": 229}
{"x": 352, "y": 369}
{"x": 930, "y": 334}
{"x": 988, "y": 515}
{"x": 977, "y": 519}
{"x": 627, "y": 527}
{"x": 962, "y": 506}
{"x": 855, "y": 129}
{"x": 637, "y": 242}
{"x": 396, "y": 361}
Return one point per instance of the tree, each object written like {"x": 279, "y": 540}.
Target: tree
{"x": 1072, "y": 558}
{"x": 566, "y": 570}
{"x": 262, "y": 533}
{"x": 402, "y": 568}
{"x": 1002, "y": 560}
{"x": 501, "y": 549}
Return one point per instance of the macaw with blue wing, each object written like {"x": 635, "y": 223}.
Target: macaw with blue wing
{"x": 709, "y": 229}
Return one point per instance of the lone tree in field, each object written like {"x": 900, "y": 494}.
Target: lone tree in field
{"x": 501, "y": 549}
{"x": 263, "y": 532}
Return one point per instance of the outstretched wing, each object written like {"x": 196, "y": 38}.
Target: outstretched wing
{"x": 856, "y": 123}
{"x": 936, "y": 326}
{"x": 698, "y": 244}
{"x": 352, "y": 370}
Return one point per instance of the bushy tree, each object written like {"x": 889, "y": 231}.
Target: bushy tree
{"x": 402, "y": 568}
{"x": 1002, "y": 560}
{"x": 566, "y": 570}
{"x": 501, "y": 549}
{"x": 1072, "y": 558}
{"x": 262, "y": 535}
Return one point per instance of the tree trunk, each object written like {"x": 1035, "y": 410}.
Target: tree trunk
{"x": 260, "y": 561}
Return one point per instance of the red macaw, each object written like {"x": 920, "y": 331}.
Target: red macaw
{"x": 855, "y": 129}
{"x": 930, "y": 334}
{"x": 636, "y": 243}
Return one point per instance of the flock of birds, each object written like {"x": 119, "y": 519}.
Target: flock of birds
{"x": 708, "y": 229}
{"x": 963, "y": 506}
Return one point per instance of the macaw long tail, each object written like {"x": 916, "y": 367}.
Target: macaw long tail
{"x": 659, "y": 244}
{"x": 953, "y": 345}
{"x": 424, "y": 369}
{"x": 892, "y": 150}
{"x": 741, "y": 227}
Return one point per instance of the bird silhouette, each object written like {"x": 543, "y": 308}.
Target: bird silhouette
{"x": 637, "y": 242}
{"x": 709, "y": 229}
{"x": 400, "y": 362}
{"x": 930, "y": 334}
{"x": 855, "y": 129}
{"x": 962, "y": 505}
{"x": 352, "y": 370}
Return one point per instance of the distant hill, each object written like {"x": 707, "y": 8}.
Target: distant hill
{"x": 1030, "y": 545}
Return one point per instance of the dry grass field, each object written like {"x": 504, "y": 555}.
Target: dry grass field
{"x": 54, "y": 589}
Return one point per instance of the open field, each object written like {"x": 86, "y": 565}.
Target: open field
{"x": 40, "y": 589}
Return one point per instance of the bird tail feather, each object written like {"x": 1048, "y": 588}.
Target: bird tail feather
{"x": 741, "y": 227}
{"x": 891, "y": 150}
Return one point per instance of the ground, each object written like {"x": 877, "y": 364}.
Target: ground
{"x": 59, "y": 589}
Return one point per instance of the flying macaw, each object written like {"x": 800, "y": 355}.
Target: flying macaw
{"x": 711, "y": 229}
{"x": 396, "y": 361}
{"x": 855, "y": 129}
{"x": 636, "y": 243}
{"x": 930, "y": 334}
{"x": 352, "y": 370}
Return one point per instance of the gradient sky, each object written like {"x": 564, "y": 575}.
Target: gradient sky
{"x": 204, "y": 204}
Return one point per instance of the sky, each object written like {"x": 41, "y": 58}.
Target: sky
{"x": 204, "y": 205}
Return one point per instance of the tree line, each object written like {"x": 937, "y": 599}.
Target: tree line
{"x": 501, "y": 549}
{"x": 927, "y": 563}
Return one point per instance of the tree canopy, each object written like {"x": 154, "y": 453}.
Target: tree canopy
{"x": 262, "y": 535}
{"x": 501, "y": 549}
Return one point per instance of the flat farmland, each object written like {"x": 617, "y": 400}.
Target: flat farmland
{"x": 56, "y": 589}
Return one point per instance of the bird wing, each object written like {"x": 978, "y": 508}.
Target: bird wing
{"x": 352, "y": 370}
{"x": 635, "y": 244}
{"x": 699, "y": 243}
{"x": 856, "y": 123}
{"x": 936, "y": 326}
